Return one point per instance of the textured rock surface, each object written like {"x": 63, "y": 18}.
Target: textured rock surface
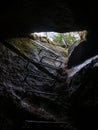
{"x": 27, "y": 90}
{"x": 30, "y": 93}
{"x": 83, "y": 90}
{"x": 22, "y": 17}
{"x": 62, "y": 16}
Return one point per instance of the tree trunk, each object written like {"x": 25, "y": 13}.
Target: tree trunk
{"x": 64, "y": 40}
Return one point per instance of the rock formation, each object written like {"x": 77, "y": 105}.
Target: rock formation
{"x": 30, "y": 92}
{"x": 84, "y": 95}
{"x": 29, "y": 84}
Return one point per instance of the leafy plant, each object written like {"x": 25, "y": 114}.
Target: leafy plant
{"x": 66, "y": 39}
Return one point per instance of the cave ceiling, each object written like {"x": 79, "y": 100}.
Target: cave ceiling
{"x": 26, "y": 16}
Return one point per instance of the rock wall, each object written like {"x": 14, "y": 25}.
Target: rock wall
{"x": 83, "y": 90}
{"x": 28, "y": 90}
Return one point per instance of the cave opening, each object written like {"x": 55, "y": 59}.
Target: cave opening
{"x": 34, "y": 93}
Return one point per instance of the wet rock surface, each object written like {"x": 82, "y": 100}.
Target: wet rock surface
{"x": 32, "y": 95}
{"x": 16, "y": 20}
{"x": 28, "y": 90}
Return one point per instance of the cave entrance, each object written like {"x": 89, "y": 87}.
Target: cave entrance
{"x": 67, "y": 41}
{"x": 53, "y": 50}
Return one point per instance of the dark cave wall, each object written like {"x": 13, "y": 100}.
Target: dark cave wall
{"x": 19, "y": 18}
{"x": 27, "y": 90}
{"x": 28, "y": 16}
{"x": 24, "y": 17}
{"x": 84, "y": 96}
{"x": 84, "y": 50}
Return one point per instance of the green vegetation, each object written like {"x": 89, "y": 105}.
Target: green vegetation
{"x": 67, "y": 39}
{"x": 58, "y": 39}
{"x": 70, "y": 39}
